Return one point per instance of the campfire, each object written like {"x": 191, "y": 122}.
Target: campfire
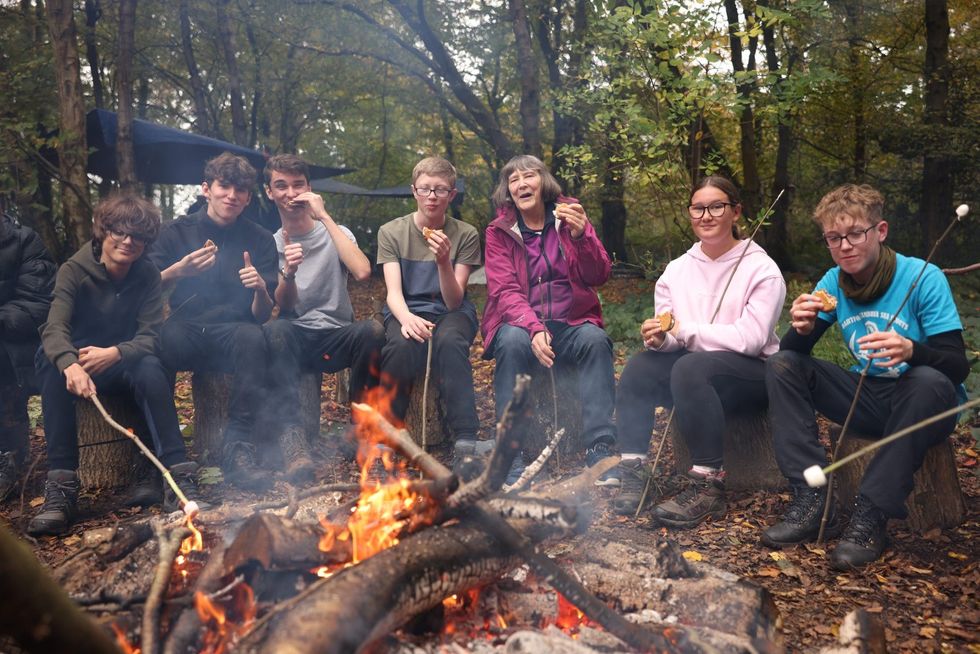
{"x": 420, "y": 557}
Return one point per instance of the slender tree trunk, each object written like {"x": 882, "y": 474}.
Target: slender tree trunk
{"x": 258, "y": 84}
{"x": 201, "y": 123}
{"x": 72, "y": 146}
{"x": 287, "y": 133}
{"x": 853, "y": 12}
{"x": 612, "y": 199}
{"x": 125, "y": 157}
{"x": 93, "y": 12}
{"x": 226, "y": 40}
{"x": 751, "y": 184}
{"x": 937, "y": 171}
{"x": 528, "y": 72}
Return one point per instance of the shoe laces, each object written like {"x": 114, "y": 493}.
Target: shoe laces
{"x": 802, "y": 505}
{"x": 865, "y": 523}
{"x": 597, "y": 453}
{"x": 694, "y": 487}
{"x": 57, "y": 493}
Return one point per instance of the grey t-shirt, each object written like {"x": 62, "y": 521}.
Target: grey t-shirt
{"x": 321, "y": 280}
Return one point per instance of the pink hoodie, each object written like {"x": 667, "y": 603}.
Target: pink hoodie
{"x": 690, "y": 288}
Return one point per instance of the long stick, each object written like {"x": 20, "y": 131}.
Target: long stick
{"x": 190, "y": 508}
{"x": 653, "y": 468}
{"x": 425, "y": 392}
{"x": 168, "y": 545}
{"x": 961, "y": 211}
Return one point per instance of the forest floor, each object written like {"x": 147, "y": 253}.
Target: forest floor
{"x": 925, "y": 588}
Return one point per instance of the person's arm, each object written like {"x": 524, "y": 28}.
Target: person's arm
{"x": 350, "y": 255}
{"x": 945, "y": 352}
{"x": 503, "y": 283}
{"x": 56, "y": 332}
{"x": 286, "y": 293}
{"x": 28, "y": 307}
{"x": 251, "y": 279}
{"x": 452, "y": 279}
{"x": 803, "y": 343}
{"x": 167, "y": 256}
{"x": 149, "y": 318}
{"x": 413, "y": 326}
{"x": 591, "y": 260}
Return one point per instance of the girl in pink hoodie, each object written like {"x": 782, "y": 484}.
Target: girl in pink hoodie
{"x": 706, "y": 360}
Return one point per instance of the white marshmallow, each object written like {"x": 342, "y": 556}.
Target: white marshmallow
{"x": 191, "y": 509}
{"x": 814, "y": 477}
{"x": 962, "y": 210}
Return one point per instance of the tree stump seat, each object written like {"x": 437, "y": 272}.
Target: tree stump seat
{"x": 106, "y": 458}
{"x": 554, "y": 393}
{"x": 211, "y": 392}
{"x": 750, "y": 460}
{"x": 936, "y": 499}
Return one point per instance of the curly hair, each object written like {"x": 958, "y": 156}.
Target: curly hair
{"x": 230, "y": 169}
{"x": 126, "y": 213}
{"x": 859, "y": 201}
{"x": 550, "y": 188}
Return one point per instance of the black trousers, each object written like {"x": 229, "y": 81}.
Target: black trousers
{"x": 403, "y": 363}
{"x": 702, "y": 388}
{"x": 294, "y": 349}
{"x": 14, "y": 424}
{"x": 144, "y": 378}
{"x": 238, "y": 348}
{"x": 799, "y": 385}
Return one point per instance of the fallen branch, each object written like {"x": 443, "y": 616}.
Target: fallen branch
{"x": 169, "y": 544}
{"x": 532, "y": 470}
{"x": 962, "y": 271}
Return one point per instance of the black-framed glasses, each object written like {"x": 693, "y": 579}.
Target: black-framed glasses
{"x": 424, "y": 191}
{"x": 855, "y": 237}
{"x": 119, "y": 237}
{"x": 715, "y": 210}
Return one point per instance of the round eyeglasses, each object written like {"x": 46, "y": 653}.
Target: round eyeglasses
{"x": 858, "y": 236}
{"x": 715, "y": 210}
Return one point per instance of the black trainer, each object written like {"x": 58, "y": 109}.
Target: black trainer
{"x": 9, "y": 474}
{"x": 146, "y": 490}
{"x": 865, "y": 538}
{"x": 60, "y": 504}
{"x": 239, "y": 468}
{"x": 633, "y": 474}
{"x": 801, "y": 520}
{"x": 597, "y": 452}
{"x": 185, "y": 476}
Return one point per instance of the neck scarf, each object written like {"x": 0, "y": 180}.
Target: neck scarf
{"x": 880, "y": 280}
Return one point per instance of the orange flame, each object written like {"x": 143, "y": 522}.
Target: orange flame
{"x": 569, "y": 618}
{"x": 222, "y": 631}
{"x": 194, "y": 542}
{"x": 122, "y": 641}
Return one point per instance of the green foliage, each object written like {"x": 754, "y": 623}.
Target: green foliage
{"x": 623, "y": 319}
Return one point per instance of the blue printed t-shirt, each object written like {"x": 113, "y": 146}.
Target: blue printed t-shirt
{"x": 401, "y": 241}
{"x": 929, "y": 311}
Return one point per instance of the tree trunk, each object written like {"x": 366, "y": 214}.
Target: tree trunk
{"x": 106, "y": 459}
{"x": 72, "y": 146}
{"x": 614, "y": 213}
{"x": 201, "y": 122}
{"x": 93, "y": 12}
{"x": 937, "y": 169}
{"x": 751, "y": 184}
{"x": 125, "y": 157}
{"x": 227, "y": 42}
{"x": 527, "y": 68}
{"x": 853, "y": 12}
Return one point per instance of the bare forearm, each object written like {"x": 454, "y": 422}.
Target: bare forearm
{"x": 261, "y": 305}
{"x": 351, "y": 255}
{"x": 286, "y": 294}
{"x": 452, "y": 294}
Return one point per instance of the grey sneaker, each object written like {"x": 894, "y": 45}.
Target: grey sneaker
{"x": 633, "y": 474}
{"x": 596, "y": 453}
{"x": 703, "y": 498}
{"x": 60, "y": 504}
{"x": 9, "y": 474}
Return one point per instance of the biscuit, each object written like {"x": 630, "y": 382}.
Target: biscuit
{"x": 827, "y": 301}
{"x": 666, "y": 320}
{"x": 211, "y": 244}
{"x": 428, "y": 231}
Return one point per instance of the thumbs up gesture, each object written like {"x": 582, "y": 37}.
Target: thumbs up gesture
{"x": 249, "y": 275}
{"x": 293, "y": 253}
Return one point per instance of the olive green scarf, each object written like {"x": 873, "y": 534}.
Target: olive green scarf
{"x": 877, "y": 285}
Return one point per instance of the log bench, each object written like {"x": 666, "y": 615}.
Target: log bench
{"x": 106, "y": 458}
{"x": 211, "y": 391}
{"x": 936, "y": 499}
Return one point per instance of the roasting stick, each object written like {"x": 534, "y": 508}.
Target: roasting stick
{"x": 425, "y": 391}
{"x": 670, "y": 418}
{"x": 190, "y": 507}
{"x": 960, "y": 213}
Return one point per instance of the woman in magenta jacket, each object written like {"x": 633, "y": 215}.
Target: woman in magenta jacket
{"x": 543, "y": 260}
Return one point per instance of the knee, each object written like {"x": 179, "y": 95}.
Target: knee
{"x": 149, "y": 374}
{"x": 784, "y": 364}
{"x": 926, "y": 381}
{"x": 276, "y": 334}
{"x": 689, "y": 372}
{"x": 592, "y": 337}
{"x": 250, "y": 341}
{"x": 511, "y": 341}
{"x": 371, "y": 333}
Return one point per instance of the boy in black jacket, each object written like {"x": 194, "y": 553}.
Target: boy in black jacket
{"x": 101, "y": 334}
{"x": 26, "y": 280}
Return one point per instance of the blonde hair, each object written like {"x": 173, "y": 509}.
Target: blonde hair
{"x": 855, "y": 200}
{"x": 435, "y": 167}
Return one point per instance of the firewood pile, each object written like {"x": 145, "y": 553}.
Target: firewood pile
{"x": 418, "y": 563}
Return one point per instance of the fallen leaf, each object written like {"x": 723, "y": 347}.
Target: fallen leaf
{"x": 37, "y": 501}
{"x": 921, "y": 571}
{"x": 957, "y": 556}
{"x": 777, "y": 556}
{"x": 768, "y": 571}
{"x": 71, "y": 540}
{"x": 691, "y": 555}
{"x": 928, "y": 632}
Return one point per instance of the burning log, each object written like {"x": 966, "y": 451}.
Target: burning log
{"x": 277, "y": 543}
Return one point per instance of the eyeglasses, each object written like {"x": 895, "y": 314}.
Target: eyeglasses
{"x": 424, "y": 192}
{"x": 715, "y": 210}
{"x": 856, "y": 237}
{"x": 119, "y": 237}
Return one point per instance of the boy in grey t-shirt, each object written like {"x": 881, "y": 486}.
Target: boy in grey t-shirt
{"x": 316, "y": 328}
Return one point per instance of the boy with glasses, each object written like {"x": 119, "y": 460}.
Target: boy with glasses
{"x": 101, "y": 335}
{"x": 223, "y": 272}
{"x": 427, "y": 258}
{"x": 916, "y": 371}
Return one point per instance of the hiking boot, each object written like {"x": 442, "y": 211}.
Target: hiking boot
{"x": 185, "y": 476}
{"x": 239, "y": 468}
{"x": 9, "y": 474}
{"x": 296, "y": 455}
{"x": 60, "y": 504}
{"x": 147, "y": 490}
{"x": 633, "y": 475}
{"x": 597, "y": 452}
{"x": 703, "y": 498}
{"x": 865, "y": 538}
{"x": 470, "y": 457}
{"x": 801, "y": 520}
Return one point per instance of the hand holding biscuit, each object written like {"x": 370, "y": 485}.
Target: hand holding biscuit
{"x": 803, "y": 312}
{"x": 196, "y": 262}
{"x": 574, "y": 216}
{"x": 438, "y": 243}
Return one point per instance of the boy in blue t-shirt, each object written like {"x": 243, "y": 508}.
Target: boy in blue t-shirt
{"x": 916, "y": 367}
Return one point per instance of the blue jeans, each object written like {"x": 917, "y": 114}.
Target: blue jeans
{"x": 587, "y": 347}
